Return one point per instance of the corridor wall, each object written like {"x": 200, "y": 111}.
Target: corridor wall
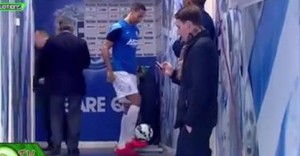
{"x": 15, "y": 81}
{"x": 168, "y": 90}
{"x": 259, "y": 89}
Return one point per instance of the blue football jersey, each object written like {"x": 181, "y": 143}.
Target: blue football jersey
{"x": 125, "y": 38}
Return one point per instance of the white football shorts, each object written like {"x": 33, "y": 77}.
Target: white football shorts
{"x": 125, "y": 84}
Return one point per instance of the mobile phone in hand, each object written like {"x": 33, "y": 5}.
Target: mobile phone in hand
{"x": 159, "y": 65}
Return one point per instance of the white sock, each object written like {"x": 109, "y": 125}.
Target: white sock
{"x": 132, "y": 114}
{"x": 124, "y": 136}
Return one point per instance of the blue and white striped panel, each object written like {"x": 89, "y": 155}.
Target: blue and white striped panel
{"x": 275, "y": 74}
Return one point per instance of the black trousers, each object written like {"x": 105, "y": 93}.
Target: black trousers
{"x": 42, "y": 100}
{"x": 72, "y": 115}
{"x": 195, "y": 143}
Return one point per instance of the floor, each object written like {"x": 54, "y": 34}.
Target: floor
{"x": 110, "y": 152}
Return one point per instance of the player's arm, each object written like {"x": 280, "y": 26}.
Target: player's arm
{"x": 105, "y": 53}
{"x": 111, "y": 38}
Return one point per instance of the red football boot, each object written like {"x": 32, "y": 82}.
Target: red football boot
{"x": 135, "y": 143}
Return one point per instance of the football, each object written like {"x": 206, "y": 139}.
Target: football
{"x": 143, "y": 132}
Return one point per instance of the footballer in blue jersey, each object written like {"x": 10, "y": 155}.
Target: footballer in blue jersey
{"x": 122, "y": 38}
{"x": 125, "y": 39}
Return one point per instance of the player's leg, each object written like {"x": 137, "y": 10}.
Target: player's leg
{"x": 122, "y": 88}
{"x": 125, "y": 104}
{"x": 124, "y": 136}
{"x": 133, "y": 112}
{"x": 128, "y": 122}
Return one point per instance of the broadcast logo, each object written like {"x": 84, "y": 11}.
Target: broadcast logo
{"x": 7, "y": 151}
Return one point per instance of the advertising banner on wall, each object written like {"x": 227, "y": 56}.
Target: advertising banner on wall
{"x": 101, "y": 112}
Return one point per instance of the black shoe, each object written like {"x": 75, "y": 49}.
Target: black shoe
{"x": 74, "y": 152}
{"x": 48, "y": 148}
{"x": 54, "y": 151}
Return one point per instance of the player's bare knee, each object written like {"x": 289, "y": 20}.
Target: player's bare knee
{"x": 136, "y": 102}
{"x": 135, "y": 99}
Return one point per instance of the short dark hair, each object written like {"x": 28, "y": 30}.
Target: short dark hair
{"x": 189, "y": 13}
{"x": 138, "y": 6}
{"x": 199, "y": 3}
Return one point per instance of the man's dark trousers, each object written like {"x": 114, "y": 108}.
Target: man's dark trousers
{"x": 73, "y": 111}
{"x": 195, "y": 143}
{"x": 42, "y": 101}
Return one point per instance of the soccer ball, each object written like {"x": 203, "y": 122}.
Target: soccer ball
{"x": 143, "y": 132}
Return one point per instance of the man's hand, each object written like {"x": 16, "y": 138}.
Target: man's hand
{"x": 41, "y": 81}
{"x": 111, "y": 76}
{"x": 166, "y": 68}
{"x": 188, "y": 128}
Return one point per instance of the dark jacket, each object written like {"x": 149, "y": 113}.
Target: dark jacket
{"x": 197, "y": 103}
{"x": 37, "y": 75}
{"x": 62, "y": 63}
{"x": 207, "y": 23}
